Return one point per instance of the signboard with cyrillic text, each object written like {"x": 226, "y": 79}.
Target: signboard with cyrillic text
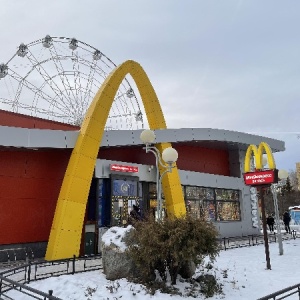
{"x": 123, "y": 168}
{"x": 261, "y": 177}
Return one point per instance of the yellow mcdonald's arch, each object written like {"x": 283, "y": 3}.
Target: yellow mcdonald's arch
{"x": 65, "y": 235}
{"x": 258, "y": 154}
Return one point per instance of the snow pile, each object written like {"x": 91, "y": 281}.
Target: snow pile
{"x": 115, "y": 235}
{"x": 242, "y": 273}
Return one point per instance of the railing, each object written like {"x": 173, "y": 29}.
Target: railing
{"x": 16, "y": 278}
{"x": 15, "y": 254}
{"x": 27, "y": 290}
{"x": 284, "y": 293}
{"x": 251, "y": 240}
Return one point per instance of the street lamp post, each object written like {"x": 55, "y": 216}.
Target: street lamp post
{"x": 166, "y": 160}
{"x": 282, "y": 174}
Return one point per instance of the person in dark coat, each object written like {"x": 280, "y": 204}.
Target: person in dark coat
{"x": 270, "y": 222}
{"x": 286, "y": 221}
{"x": 135, "y": 213}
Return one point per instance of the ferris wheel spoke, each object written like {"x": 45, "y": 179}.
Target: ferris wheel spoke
{"x": 76, "y": 66}
{"x": 8, "y": 90}
{"x": 6, "y": 101}
{"x": 77, "y": 83}
{"x": 47, "y": 78}
{"x": 23, "y": 82}
{"x": 98, "y": 70}
{"x": 60, "y": 70}
{"x": 59, "y": 93}
{"x": 90, "y": 81}
{"x": 49, "y": 113}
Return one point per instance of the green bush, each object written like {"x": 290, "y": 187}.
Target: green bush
{"x": 167, "y": 245}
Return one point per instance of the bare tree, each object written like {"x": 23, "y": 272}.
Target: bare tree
{"x": 293, "y": 179}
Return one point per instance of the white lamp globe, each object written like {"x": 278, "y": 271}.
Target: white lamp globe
{"x": 283, "y": 174}
{"x": 170, "y": 155}
{"x": 147, "y": 136}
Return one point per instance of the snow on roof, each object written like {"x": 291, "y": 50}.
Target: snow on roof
{"x": 297, "y": 207}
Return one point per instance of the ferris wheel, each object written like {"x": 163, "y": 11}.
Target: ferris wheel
{"x": 56, "y": 78}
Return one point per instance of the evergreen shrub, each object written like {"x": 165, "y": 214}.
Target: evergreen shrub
{"x": 167, "y": 245}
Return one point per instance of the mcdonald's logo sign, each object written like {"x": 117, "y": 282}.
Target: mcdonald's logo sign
{"x": 259, "y": 176}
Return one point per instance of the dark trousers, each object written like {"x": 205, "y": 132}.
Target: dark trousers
{"x": 271, "y": 227}
{"x": 287, "y": 227}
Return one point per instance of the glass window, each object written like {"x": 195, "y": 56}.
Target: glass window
{"x": 209, "y": 210}
{"x": 228, "y": 211}
{"x": 192, "y": 192}
{"x": 194, "y": 208}
{"x": 213, "y": 204}
{"x": 228, "y": 205}
{"x": 222, "y": 194}
{"x": 210, "y": 195}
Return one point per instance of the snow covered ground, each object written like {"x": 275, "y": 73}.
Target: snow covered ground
{"x": 242, "y": 272}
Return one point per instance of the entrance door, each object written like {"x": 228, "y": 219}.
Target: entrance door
{"x": 124, "y": 194}
{"x": 89, "y": 239}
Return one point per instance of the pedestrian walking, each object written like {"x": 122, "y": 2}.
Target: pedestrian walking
{"x": 270, "y": 222}
{"x": 286, "y": 221}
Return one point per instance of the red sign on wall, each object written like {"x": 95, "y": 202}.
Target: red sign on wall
{"x": 261, "y": 177}
{"x": 121, "y": 168}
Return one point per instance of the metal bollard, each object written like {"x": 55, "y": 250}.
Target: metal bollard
{"x": 73, "y": 264}
{"x": 294, "y": 234}
{"x": 28, "y": 272}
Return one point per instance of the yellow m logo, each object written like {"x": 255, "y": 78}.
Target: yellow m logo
{"x": 65, "y": 235}
{"x": 258, "y": 155}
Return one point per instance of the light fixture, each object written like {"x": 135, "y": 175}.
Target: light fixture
{"x": 147, "y": 136}
{"x": 169, "y": 155}
{"x": 283, "y": 174}
{"x": 3, "y": 70}
{"x": 23, "y": 50}
{"x": 47, "y": 41}
{"x": 73, "y": 44}
{"x": 97, "y": 55}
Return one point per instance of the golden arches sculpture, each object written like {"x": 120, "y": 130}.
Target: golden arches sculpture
{"x": 258, "y": 156}
{"x": 65, "y": 234}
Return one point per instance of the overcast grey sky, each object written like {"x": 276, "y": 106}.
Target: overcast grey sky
{"x": 230, "y": 64}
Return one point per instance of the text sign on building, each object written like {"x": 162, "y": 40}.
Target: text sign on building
{"x": 254, "y": 207}
{"x": 122, "y": 168}
{"x": 261, "y": 177}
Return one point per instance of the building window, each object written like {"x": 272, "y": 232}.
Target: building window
{"x": 153, "y": 201}
{"x": 213, "y": 204}
{"x": 228, "y": 205}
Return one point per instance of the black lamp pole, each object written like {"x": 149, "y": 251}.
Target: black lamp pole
{"x": 263, "y": 213}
